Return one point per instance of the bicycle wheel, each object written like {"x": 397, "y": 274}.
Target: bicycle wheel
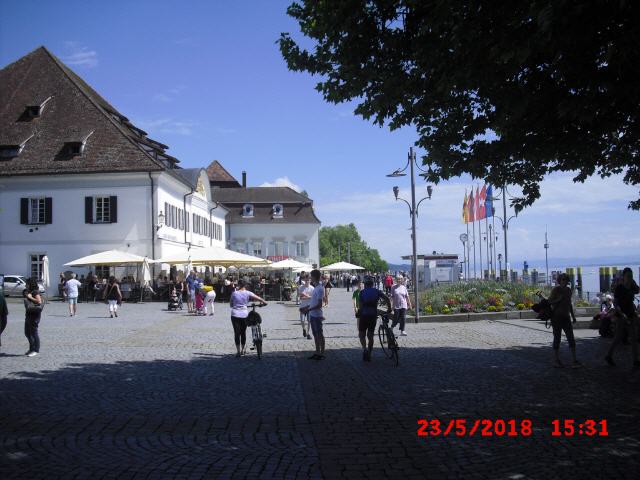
{"x": 259, "y": 348}
{"x": 384, "y": 340}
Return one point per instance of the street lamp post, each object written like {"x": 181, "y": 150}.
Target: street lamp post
{"x": 546, "y": 254}
{"x": 413, "y": 212}
{"x": 500, "y": 263}
{"x": 505, "y": 224}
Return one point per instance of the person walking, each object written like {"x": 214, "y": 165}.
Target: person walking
{"x": 388, "y": 283}
{"x": 33, "y": 313}
{"x": 328, "y": 285}
{"x": 368, "y": 315}
{"x": 71, "y": 292}
{"x": 560, "y": 300}
{"x": 239, "y": 313}
{"x": 355, "y": 297}
{"x": 314, "y": 309}
{"x": 4, "y": 314}
{"x": 61, "y": 281}
{"x": 305, "y": 292}
{"x": 627, "y": 317}
{"x": 401, "y": 301}
{"x": 113, "y": 296}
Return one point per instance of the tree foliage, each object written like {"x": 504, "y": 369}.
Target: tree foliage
{"x": 506, "y": 91}
{"x": 334, "y": 245}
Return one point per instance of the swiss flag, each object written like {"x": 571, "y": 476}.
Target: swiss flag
{"x": 482, "y": 212}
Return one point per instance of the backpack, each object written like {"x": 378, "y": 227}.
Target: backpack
{"x": 544, "y": 311}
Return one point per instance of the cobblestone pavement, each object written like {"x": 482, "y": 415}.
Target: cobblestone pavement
{"x": 157, "y": 394}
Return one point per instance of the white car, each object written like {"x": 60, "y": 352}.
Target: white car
{"x": 15, "y": 284}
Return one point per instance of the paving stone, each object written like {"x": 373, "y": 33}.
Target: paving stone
{"x": 157, "y": 394}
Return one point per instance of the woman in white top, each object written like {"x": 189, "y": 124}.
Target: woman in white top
{"x": 305, "y": 291}
{"x": 401, "y": 301}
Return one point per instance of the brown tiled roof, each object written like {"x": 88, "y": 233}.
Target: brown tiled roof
{"x": 217, "y": 173}
{"x": 74, "y": 111}
{"x": 297, "y": 207}
{"x": 254, "y": 195}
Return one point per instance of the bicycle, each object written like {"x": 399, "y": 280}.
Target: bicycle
{"x": 254, "y": 320}
{"x": 388, "y": 340}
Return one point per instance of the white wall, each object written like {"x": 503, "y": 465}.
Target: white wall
{"x": 69, "y": 237}
{"x": 243, "y": 234}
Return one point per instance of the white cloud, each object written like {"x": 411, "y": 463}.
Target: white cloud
{"x": 79, "y": 55}
{"x": 282, "y": 182}
{"x": 170, "y": 95}
{"x": 168, "y": 125}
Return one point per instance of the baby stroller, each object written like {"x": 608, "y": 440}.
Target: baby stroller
{"x": 175, "y": 301}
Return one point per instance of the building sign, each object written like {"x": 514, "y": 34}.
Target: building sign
{"x": 277, "y": 258}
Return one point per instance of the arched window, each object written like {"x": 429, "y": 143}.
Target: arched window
{"x": 247, "y": 210}
{"x": 278, "y": 211}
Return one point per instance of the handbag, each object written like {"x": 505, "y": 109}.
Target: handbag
{"x": 34, "y": 309}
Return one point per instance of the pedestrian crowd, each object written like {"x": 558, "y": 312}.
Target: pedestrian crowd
{"x": 313, "y": 295}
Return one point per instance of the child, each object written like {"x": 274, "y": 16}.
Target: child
{"x": 200, "y": 294}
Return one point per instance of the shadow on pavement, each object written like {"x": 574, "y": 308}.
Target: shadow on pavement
{"x": 218, "y": 416}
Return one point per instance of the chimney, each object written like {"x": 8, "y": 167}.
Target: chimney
{"x": 244, "y": 179}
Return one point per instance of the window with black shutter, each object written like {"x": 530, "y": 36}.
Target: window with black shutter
{"x": 88, "y": 209}
{"x": 24, "y": 211}
{"x": 36, "y": 211}
{"x": 48, "y": 210}
{"x": 114, "y": 209}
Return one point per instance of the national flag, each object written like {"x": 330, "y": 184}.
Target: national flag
{"x": 488, "y": 204}
{"x": 465, "y": 211}
{"x": 471, "y": 208}
{"x": 476, "y": 206}
{"x": 481, "y": 203}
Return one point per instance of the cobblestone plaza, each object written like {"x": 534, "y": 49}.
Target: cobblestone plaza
{"x": 157, "y": 394}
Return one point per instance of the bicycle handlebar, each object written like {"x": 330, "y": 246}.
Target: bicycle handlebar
{"x": 254, "y": 305}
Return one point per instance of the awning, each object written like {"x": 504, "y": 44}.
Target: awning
{"x": 341, "y": 266}
{"x": 216, "y": 256}
{"x": 110, "y": 257}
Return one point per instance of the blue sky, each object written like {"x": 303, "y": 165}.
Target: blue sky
{"x": 207, "y": 79}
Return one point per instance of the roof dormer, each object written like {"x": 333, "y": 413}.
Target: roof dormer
{"x": 247, "y": 210}
{"x": 35, "y": 110}
{"x": 277, "y": 211}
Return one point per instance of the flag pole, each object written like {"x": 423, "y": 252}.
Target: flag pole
{"x": 487, "y": 232}
{"x": 479, "y": 233}
{"x": 466, "y": 277}
{"x": 475, "y": 272}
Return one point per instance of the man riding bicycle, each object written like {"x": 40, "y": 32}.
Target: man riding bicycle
{"x": 368, "y": 315}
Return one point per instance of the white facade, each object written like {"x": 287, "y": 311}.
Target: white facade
{"x": 69, "y": 236}
{"x": 297, "y": 240}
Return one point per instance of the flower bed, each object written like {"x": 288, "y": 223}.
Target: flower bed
{"x": 476, "y": 297}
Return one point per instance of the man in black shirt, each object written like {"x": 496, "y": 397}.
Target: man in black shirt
{"x": 627, "y": 318}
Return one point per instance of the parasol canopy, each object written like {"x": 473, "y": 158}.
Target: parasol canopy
{"x": 341, "y": 266}
{"x": 110, "y": 257}
{"x": 213, "y": 256}
{"x": 290, "y": 263}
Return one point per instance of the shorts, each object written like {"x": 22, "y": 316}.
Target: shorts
{"x": 316, "y": 326}
{"x": 192, "y": 295}
{"x": 367, "y": 323}
{"x": 72, "y": 300}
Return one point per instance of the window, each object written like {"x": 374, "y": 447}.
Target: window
{"x": 36, "y": 262}
{"x": 257, "y": 249}
{"x": 278, "y": 248}
{"x": 36, "y": 211}
{"x": 73, "y": 148}
{"x": 9, "y": 151}
{"x": 247, "y": 210}
{"x": 278, "y": 211}
{"x": 103, "y": 210}
{"x": 300, "y": 249}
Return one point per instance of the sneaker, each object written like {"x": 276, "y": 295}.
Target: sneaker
{"x": 368, "y": 356}
{"x": 308, "y": 336}
{"x": 115, "y": 313}
{"x": 32, "y": 354}
{"x": 112, "y": 315}
{"x": 609, "y": 361}
{"x": 27, "y": 353}
{"x": 403, "y": 333}
{"x": 304, "y": 333}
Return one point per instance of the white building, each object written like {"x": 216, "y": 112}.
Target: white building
{"x": 270, "y": 222}
{"x": 76, "y": 177}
